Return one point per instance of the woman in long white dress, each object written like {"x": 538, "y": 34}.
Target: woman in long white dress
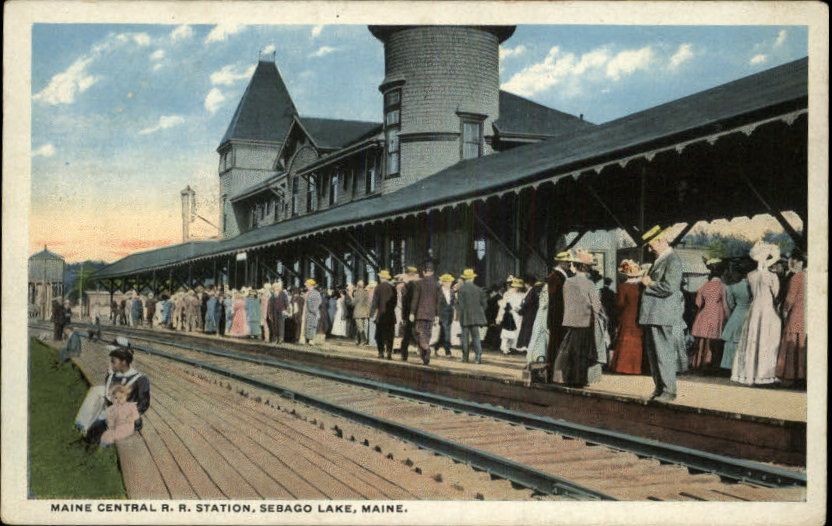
{"x": 755, "y": 360}
{"x": 510, "y": 304}
{"x": 456, "y": 328}
{"x": 339, "y": 324}
{"x": 540, "y": 333}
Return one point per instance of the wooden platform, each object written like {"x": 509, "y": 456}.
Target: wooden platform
{"x": 203, "y": 440}
{"x": 710, "y": 414}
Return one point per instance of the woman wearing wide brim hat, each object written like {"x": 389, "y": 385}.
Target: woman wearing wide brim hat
{"x": 791, "y": 359}
{"x": 756, "y": 358}
{"x": 628, "y": 354}
{"x": 239, "y": 323}
{"x": 509, "y": 317}
{"x": 713, "y": 311}
{"x": 578, "y": 351}
{"x": 445, "y": 313}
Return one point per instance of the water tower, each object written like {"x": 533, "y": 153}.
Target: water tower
{"x": 46, "y": 281}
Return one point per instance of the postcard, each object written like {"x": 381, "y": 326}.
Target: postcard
{"x": 415, "y": 262}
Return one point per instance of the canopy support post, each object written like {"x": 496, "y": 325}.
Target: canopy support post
{"x": 682, "y": 234}
{"x": 798, "y": 238}
{"x": 630, "y": 231}
{"x": 337, "y": 258}
{"x": 353, "y": 244}
{"x": 493, "y": 235}
{"x": 321, "y": 265}
{"x": 642, "y": 219}
{"x": 575, "y": 241}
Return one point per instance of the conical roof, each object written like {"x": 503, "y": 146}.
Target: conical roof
{"x": 46, "y": 254}
{"x": 265, "y": 110}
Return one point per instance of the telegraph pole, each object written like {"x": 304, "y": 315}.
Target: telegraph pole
{"x": 81, "y": 291}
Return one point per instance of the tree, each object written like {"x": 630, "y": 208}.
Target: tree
{"x": 78, "y": 275}
{"x": 725, "y": 246}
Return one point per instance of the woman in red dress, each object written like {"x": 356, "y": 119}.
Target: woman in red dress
{"x": 628, "y": 353}
{"x": 791, "y": 358}
{"x": 707, "y": 328}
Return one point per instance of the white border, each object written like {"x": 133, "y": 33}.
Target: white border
{"x": 18, "y": 20}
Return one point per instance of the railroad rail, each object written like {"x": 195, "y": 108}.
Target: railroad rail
{"x": 641, "y": 456}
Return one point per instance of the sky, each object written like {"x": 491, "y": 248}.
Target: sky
{"x": 125, "y": 116}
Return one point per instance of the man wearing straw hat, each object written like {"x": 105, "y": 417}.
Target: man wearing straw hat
{"x": 554, "y": 321}
{"x": 278, "y": 308}
{"x": 661, "y": 313}
{"x": 383, "y": 308}
{"x": 470, "y": 307}
{"x": 447, "y": 301}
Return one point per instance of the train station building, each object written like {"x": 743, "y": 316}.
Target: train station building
{"x": 458, "y": 171}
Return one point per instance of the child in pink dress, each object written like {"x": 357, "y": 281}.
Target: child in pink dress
{"x": 121, "y": 416}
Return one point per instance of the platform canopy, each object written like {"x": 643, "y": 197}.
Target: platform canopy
{"x": 737, "y": 149}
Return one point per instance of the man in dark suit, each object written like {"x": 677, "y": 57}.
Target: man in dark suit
{"x": 384, "y": 311}
{"x": 554, "y": 321}
{"x": 424, "y": 310}
{"x": 410, "y": 277}
{"x": 470, "y": 308}
{"x": 278, "y": 307}
{"x": 57, "y": 320}
{"x": 447, "y": 303}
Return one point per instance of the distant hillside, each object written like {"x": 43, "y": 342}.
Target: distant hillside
{"x": 73, "y": 271}
{"x": 728, "y": 246}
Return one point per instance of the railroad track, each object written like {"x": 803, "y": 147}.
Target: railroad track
{"x": 548, "y": 455}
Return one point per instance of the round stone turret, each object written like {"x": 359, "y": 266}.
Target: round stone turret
{"x": 441, "y": 95}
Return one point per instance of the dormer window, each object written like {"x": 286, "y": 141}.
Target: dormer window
{"x": 392, "y": 126}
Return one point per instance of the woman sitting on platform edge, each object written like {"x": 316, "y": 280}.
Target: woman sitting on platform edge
{"x": 121, "y": 373}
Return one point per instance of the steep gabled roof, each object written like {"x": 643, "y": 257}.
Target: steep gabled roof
{"x": 337, "y": 133}
{"x": 520, "y": 116}
{"x": 46, "y": 254}
{"x": 265, "y": 110}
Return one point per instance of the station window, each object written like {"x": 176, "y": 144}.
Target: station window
{"x": 471, "y": 138}
{"x": 311, "y": 194}
{"x": 226, "y": 160}
{"x": 223, "y": 204}
{"x": 295, "y": 193}
{"x": 479, "y": 248}
{"x": 392, "y": 126}
{"x": 371, "y": 175}
{"x": 334, "y": 179}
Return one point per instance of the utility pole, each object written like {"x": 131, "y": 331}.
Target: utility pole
{"x": 81, "y": 291}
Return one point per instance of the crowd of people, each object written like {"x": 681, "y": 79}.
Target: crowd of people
{"x": 746, "y": 321}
